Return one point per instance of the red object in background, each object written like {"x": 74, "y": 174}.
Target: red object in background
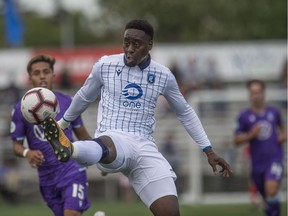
{"x": 78, "y": 61}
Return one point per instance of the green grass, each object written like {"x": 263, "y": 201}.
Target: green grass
{"x": 134, "y": 209}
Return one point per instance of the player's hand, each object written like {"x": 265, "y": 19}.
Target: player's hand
{"x": 63, "y": 124}
{"x": 214, "y": 160}
{"x": 255, "y": 130}
{"x": 35, "y": 158}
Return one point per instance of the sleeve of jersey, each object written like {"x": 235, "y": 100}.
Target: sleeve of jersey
{"x": 17, "y": 127}
{"x": 240, "y": 128}
{"x": 185, "y": 113}
{"x": 87, "y": 94}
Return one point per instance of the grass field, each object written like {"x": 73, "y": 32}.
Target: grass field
{"x": 134, "y": 209}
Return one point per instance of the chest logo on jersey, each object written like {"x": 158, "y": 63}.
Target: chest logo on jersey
{"x": 150, "y": 78}
{"x": 265, "y": 130}
{"x": 132, "y": 92}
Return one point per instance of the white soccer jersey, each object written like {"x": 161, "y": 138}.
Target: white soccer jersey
{"x": 129, "y": 96}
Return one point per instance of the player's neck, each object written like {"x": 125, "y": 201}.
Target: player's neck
{"x": 258, "y": 108}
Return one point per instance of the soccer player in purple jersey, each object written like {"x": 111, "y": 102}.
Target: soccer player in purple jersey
{"x": 130, "y": 84}
{"x": 63, "y": 186}
{"x": 261, "y": 126}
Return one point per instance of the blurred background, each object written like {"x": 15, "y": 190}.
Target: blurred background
{"x": 212, "y": 47}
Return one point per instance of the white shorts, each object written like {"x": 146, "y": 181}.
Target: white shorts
{"x": 148, "y": 171}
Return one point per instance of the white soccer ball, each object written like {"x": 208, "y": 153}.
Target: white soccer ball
{"x": 99, "y": 213}
{"x": 39, "y": 103}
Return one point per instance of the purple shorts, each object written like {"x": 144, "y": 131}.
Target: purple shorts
{"x": 273, "y": 172}
{"x": 69, "y": 194}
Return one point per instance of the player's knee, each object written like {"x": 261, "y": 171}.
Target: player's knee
{"x": 271, "y": 192}
{"x": 109, "y": 150}
{"x": 165, "y": 206}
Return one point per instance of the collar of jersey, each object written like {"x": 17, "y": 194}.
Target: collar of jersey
{"x": 143, "y": 65}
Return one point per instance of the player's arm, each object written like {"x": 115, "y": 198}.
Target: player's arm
{"x": 87, "y": 94}
{"x": 185, "y": 113}
{"x": 214, "y": 160}
{"x": 188, "y": 117}
{"x": 282, "y": 137}
{"x": 240, "y": 139}
{"x": 243, "y": 138}
{"x": 17, "y": 133}
{"x": 34, "y": 157}
{"x": 19, "y": 149}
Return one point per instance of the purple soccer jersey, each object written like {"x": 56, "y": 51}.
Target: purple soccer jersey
{"x": 52, "y": 172}
{"x": 265, "y": 148}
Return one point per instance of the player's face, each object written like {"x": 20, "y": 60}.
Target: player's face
{"x": 41, "y": 75}
{"x": 136, "y": 46}
{"x": 257, "y": 95}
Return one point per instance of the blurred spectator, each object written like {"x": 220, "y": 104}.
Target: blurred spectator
{"x": 169, "y": 150}
{"x": 65, "y": 80}
{"x": 175, "y": 69}
{"x": 164, "y": 107}
{"x": 192, "y": 79}
{"x": 212, "y": 79}
{"x": 10, "y": 95}
{"x": 213, "y": 82}
{"x": 229, "y": 152}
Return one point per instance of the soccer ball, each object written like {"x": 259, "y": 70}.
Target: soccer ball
{"x": 99, "y": 213}
{"x": 39, "y": 103}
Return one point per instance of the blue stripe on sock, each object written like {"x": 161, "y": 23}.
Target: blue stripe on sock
{"x": 105, "y": 150}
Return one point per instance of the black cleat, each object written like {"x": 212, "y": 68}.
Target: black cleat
{"x": 60, "y": 144}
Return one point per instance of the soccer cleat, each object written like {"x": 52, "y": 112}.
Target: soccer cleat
{"x": 60, "y": 144}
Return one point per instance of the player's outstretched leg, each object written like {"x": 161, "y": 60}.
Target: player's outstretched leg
{"x": 61, "y": 145}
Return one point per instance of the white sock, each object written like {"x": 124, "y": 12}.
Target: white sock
{"x": 87, "y": 152}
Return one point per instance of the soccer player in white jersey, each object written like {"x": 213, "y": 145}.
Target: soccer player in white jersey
{"x": 129, "y": 85}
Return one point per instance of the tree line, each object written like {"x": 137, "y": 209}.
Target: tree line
{"x": 178, "y": 21}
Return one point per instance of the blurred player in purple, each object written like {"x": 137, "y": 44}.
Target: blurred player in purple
{"x": 63, "y": 185}
{"x": 262, "y": 127}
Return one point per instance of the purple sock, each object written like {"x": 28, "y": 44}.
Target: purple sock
{"x": 273, "y": 207}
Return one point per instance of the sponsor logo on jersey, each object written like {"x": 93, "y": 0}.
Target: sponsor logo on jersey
{"x": 132, "y": 92}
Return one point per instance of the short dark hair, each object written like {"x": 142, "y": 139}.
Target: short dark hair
{"x": 141, "y": 24}
{"x": 257, "y": 81}
{"x": 41, "y": 58}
